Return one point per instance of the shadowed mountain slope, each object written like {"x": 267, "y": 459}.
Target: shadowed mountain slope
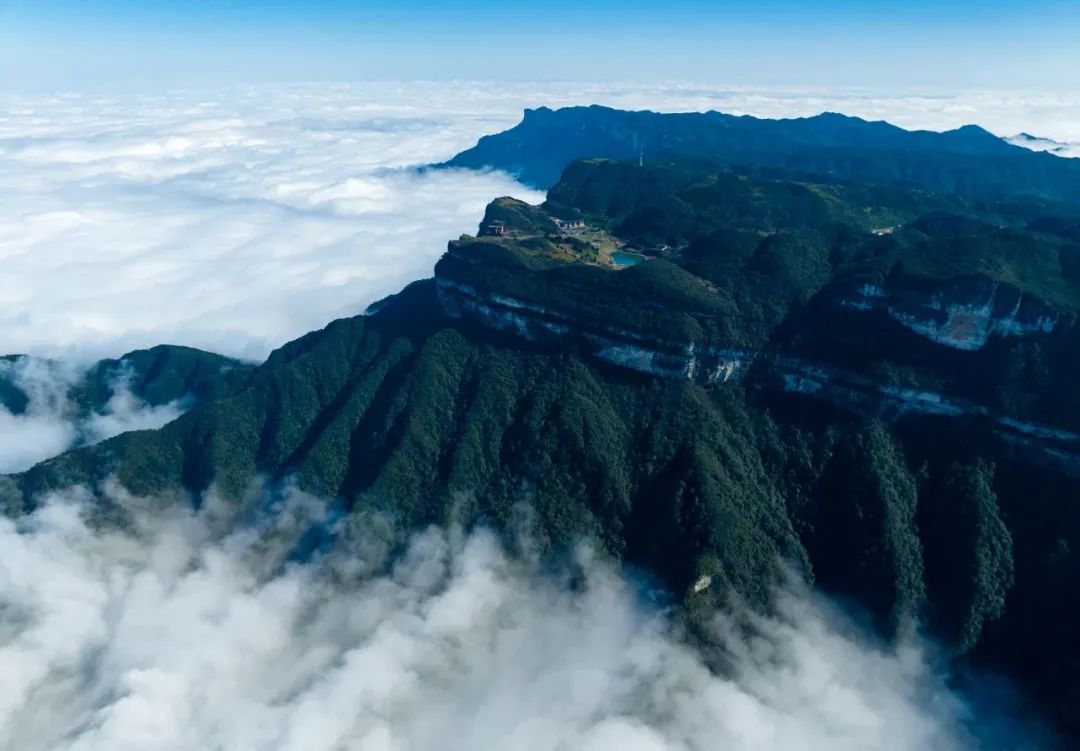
{"x": 966, "y": 161}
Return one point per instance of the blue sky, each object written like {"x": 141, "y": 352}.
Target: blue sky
{"x": 946, "y": 43}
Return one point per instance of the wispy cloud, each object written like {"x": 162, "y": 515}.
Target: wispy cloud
{"x": 50, "y": 422}
{"x": 1038, "y": 143}
{"x": 236, "y": 220}
{"x": 169, "y": 633}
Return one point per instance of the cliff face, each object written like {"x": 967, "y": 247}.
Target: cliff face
{"x": 962, "y": 313}
{"x": 860, "y": 395}
{"x": 639, "y": 351}
{"x": 963, "y": 325}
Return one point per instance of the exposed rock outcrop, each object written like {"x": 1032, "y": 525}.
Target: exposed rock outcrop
{"x": 962, "y": 313}
{"x": 664, "y": 358}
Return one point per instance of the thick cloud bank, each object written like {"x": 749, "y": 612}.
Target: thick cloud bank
{"x": 50, "y": 422}
{"x": 170, "y": 633}
{"x": 235, "y": 220}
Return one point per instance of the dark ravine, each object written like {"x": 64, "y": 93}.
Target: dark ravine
{"x": 871, "y": 383}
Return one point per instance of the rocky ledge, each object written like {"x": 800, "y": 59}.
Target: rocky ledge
{"x": 962, "y": 313}
{"x": 633, "y": 350}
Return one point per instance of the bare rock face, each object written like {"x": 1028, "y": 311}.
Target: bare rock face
{"x": 623, "y": 346}
{"x": 961, "y": 313}
{"x": 536, "y": 323}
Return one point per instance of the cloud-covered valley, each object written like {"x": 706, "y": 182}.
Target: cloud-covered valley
{"x": 48, "y": 420}
{"x": 236, "y": 220}
{"x": 180, "y": 630}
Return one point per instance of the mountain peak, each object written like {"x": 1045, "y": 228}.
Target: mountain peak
{"x": 531, "y": 113}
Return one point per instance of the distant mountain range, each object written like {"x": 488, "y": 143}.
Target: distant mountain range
{"x": 967, "y": 161}
{"x": 720, "y": 346}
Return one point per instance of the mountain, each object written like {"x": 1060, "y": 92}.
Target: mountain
{"x": 968, "y": 161}
{"x": 49, "y": 406}
{"x": 720, "y": 377}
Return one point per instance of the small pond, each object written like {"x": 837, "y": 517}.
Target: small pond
{"x": 621, "y": 258}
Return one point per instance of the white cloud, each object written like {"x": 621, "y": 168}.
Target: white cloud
{"x": 123, "y": 411}
{"x": 51, "y": 423}
{"x": 46, "y": 426}
{"x": 168, "y": 635}
{"x": 1037, "y": 143}
{"x": 232, "y": 223}
{"x": 238, "y": 219}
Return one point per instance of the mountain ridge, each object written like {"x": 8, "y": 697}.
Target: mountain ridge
{"x": 971, "y": 160}
{"x": 157, "y": 375}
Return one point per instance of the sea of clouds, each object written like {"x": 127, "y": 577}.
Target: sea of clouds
{"x": 235, "y": 220}
{"x": 180, "y": 630}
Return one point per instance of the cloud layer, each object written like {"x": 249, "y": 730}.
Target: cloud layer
{"x": 238, "y": 219}
{"x": 51, "y": 422}
{"x": 171, "y": 633}
{"x": 1057, "y": 148}
{"x": 233, "y": 224}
